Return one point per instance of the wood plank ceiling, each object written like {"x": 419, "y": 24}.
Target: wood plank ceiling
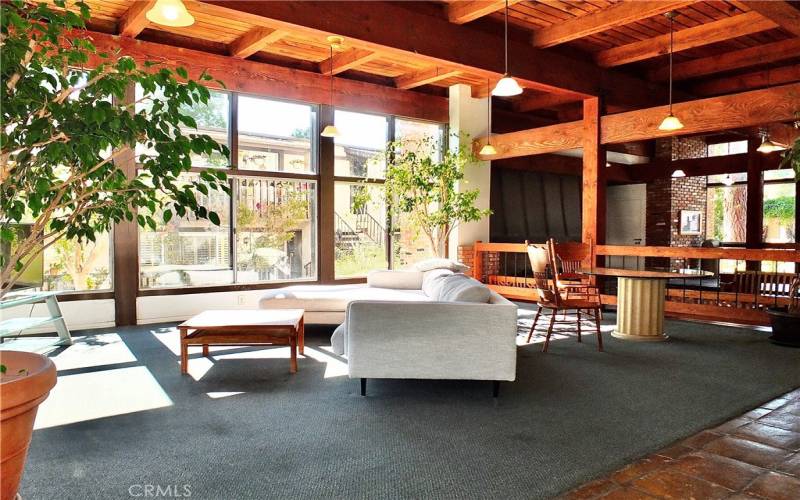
{"x": 722, "y": 46}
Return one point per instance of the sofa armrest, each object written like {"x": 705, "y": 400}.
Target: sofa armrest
{"x": 432, "y": 340}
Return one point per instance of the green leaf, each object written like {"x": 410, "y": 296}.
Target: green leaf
{"x": 214, "y": 218}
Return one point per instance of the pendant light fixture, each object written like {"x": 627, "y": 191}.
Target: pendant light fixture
{"x": 488, "y": 149}
{"x": 670, "y": 122}
{"x": 507, "y": 86}
{"x": 170, "y": 13}
{"x": 728, "y": 180}
{"x": 678, "y": 174}
{"x": 767, "y": 145}
{"x": 331, "y": 130}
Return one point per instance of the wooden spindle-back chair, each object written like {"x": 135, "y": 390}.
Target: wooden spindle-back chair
{"x": 569, "y": 257}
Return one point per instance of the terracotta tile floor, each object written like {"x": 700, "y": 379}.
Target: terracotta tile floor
{"x": 754, "y": 456}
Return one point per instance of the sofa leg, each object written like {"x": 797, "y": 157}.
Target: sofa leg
{"x": 363, "y": 387}
{"x": 495, "y": 388}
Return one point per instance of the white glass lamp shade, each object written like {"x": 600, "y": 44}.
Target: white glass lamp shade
{"x": 728, "y": 180}
{"x": 678, "y": 173}
{"x": 170, "y": 13}
{"x": 487, "y": 150}
{"x": 671, "y": 122}
{"x": 506, "y": 87}
{"x": 767, "y": 146}
{"x": 330, "y": 131}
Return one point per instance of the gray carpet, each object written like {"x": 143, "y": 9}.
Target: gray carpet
{"x": 572, "y": 415}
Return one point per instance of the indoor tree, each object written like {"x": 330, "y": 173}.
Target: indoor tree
{"x": 66, "y": 125}
{"x": 424, "y": 185}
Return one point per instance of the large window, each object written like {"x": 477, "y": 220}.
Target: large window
{"x": 72, "y": 265}
{"x": 275, "y": 136}
{"x": 779, "y": 206}
{"x": 360, "y": 223}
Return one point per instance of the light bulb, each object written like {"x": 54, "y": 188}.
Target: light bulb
{"x": 671, "y": 122}
{"x": 330, "y": 131}
{"x": 678, "y": 173}
{"x": 728, "y": 180}
{"x": 506, "y": 87}
{"x": 170, "y": 13}
{"x": 487, "y": 150}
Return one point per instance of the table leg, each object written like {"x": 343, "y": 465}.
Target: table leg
{"x": 640, "y": 309}
{"x": 205, "y": 350}
{"x": 302, "y": 335}
{"x": 61, "y": 326}
{"x": 293, "y": 347}
{"x": 184, "y": 352}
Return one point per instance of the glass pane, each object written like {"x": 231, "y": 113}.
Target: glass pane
{"x": 81, "y": 266}
{"x": 770, "y": 266}
{"x": 188, "y": 251}
{"x": 726, "y": 213}
{"x": 360, "y": 145}
{"x": 779, "y": 210}
{"x": 727, "y": 148}
{"x": 276, "y": 229}
{"x": 360, "y": 228}
{"x": 409, "y": 244}
{"x": 275, "y": 136}
{"x": 727, "y": 178}
{"x": 211, "y": 118}
{"x": 784, "y": 173}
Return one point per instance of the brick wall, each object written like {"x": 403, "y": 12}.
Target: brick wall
{"x": 491, "y": 262}
{"x": 666, "y": 198}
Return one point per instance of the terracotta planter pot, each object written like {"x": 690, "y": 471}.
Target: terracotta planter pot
{"x": 20, "y": 397}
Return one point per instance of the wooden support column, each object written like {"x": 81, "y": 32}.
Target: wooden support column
{"x": 326, "y": 258}
{"x": 755, "y": 201}
{"x": 126, "y": 247}
{"x": 593, "y": 220}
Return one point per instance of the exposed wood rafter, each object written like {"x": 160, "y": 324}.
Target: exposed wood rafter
{"x": 134, "y": 21}
{"x": 751, "y": 56}
{"x": 749, "y": 81}
{"x": 541, "y": 101}
{"x": 349, "y": 59}
{"x": 782, "y": 13}
{"x": 466, "y": 11}
{"x": 697, "y": 36}
{"x": 746, "y": 109}
{"x": 253, "y": 41}
{"x": 424, "y": 77}
{"x": 604, "y": 19}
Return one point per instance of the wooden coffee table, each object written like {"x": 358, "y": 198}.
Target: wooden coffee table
{"x": 244, "y": 328}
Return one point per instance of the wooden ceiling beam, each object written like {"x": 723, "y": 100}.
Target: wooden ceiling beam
{"x": 466, "y": 11}
{"x": 396, "y": 30}
{"x": 743, "y": 58}
{"x": 782, "y": 13}
{"x": 254, "y": 41}
{"x": 424, "y": 77}
{"x": 617, "y": 15}
{"x": 268, "y": 80}
{"x": 348, "y": 59}
{"x": 134, "y": 20}
{"x": 542, "y": 101}
{"x": 697, "y": 36}
{"x": 745, "y": 109}
{"x": 749, "y": 81}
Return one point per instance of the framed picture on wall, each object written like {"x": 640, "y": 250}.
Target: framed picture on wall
{"x": 690, "y": 222}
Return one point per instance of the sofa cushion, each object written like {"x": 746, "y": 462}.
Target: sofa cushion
{"x": 335, "y": 298}
{"x": 398, "y": 280}
{"x": 462, "y": 288}
{"x": 431, "y": 264}
{"x": 432, "y": 282}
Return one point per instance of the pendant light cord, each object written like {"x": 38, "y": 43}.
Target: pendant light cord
{"x": 505, "y": 39}
{"x": 671, "y": 34}
{"x": 489, "y": 114}
{"x": 331, "y": 63}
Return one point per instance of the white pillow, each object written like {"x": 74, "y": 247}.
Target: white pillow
{"x": 432, "y": 282}
{"x": 462, "y": 288}
{"x": 431, "y": 264}
{"x": 397, "y": 280}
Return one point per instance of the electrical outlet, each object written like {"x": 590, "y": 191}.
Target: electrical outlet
{"x": 240, "y": 299}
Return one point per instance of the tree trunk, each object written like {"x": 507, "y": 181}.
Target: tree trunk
{"x": 734, "y": 202}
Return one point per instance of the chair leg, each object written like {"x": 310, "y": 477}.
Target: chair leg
{"x": 533, "y": 326}
{"x": 363, "y": 387}
{"x": 579, "y": 325}
{"x": 597, "y": 326}
{"x": 549, "y": 330}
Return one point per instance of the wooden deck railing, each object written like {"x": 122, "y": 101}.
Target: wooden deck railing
{"x": 746, "y": 281}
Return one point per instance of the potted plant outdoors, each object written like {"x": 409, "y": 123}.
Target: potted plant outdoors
{"x": 427, "y": 187}
{"x": 25, "y": 382}
{"x": 785, "y": 320}
{"x": 63, "y": 129}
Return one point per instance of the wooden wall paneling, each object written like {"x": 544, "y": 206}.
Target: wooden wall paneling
{"x": 125, "y": 247}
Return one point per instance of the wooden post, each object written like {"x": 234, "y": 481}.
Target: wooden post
{"x": 326, "y": 272}
{"x": 593, "y": 220}
{"x": 126, "y": 247}
{"x": 755, "y": 201}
